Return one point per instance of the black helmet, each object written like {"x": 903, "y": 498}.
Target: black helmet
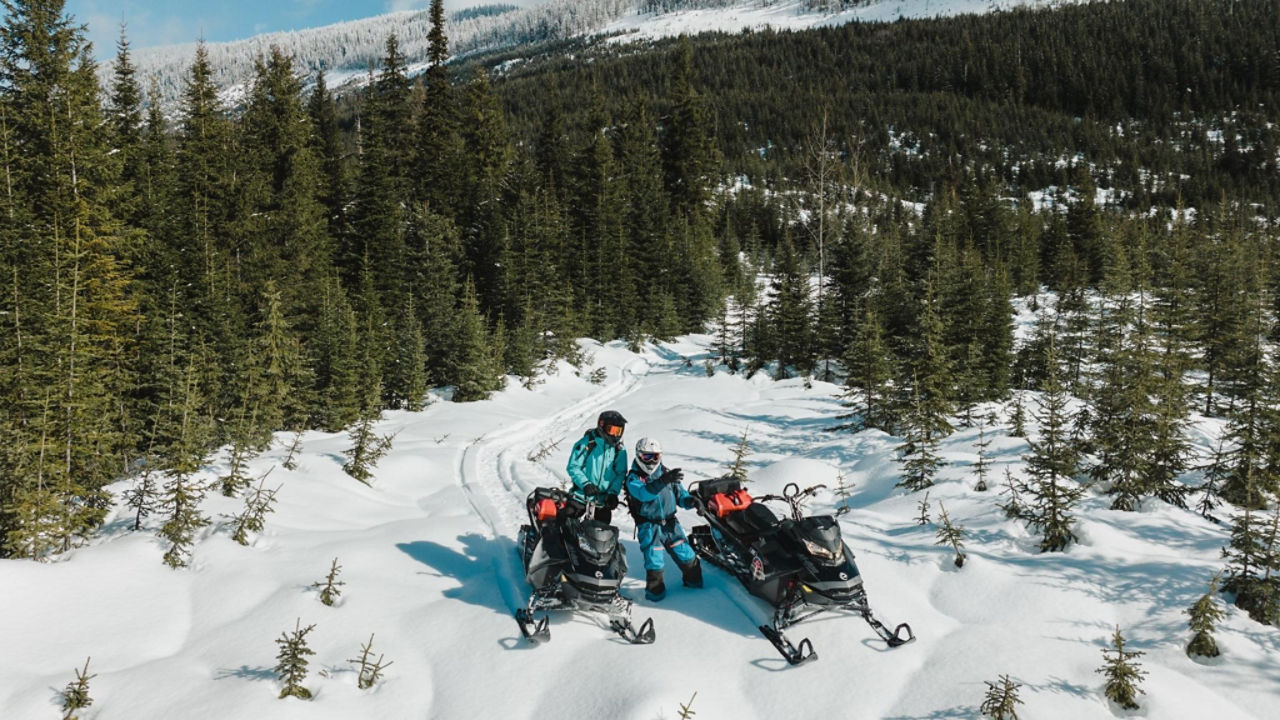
{"x": 610, "y": 424}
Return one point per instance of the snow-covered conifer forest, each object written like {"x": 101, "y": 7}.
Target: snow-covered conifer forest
{"x": 280, "y": 367}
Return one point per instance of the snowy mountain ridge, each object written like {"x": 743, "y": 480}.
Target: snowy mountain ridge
{"x": 346, "y": 51}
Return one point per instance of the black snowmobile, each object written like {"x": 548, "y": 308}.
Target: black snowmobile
{"x": 800, "y": 565}
{"x": 573, "y": 562}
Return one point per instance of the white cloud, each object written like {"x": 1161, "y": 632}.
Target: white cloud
{"x": 398, "y": 5}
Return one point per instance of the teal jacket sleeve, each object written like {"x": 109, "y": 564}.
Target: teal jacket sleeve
{"x": 578, "y": 463}
{"x": 618, "y": 471}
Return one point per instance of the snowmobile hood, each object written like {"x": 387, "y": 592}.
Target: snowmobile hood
{"x": 823, "y": 532}
{"x": 597, "y": 539}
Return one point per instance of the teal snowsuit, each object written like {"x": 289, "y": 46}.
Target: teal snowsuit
{"x": 655, "y": 516}
{"x": 596, "y": 467}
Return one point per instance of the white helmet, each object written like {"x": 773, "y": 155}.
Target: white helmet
{"x": 648, "y": 454}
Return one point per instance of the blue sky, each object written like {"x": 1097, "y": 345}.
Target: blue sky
{"x": 166, "y": 22}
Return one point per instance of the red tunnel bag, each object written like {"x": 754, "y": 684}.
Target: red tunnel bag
{"x": 726, "y": 502}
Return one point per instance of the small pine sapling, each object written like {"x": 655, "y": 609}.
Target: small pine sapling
{"x": 369, "y": 671}
{"x": 1001, "y": 700}
{"x": 295, "y": 447}
{"x": 181, "y": 502}
{"x": 686, "y": 709}
{"x": 1215, "y": 474}
{"x": 1018, "y": 417}
{"x": 1122, "y": 673}
{"x": 367, "y": 449}
{"x": 329, "y": 591}
{"x": 1203, "y": 618}
{"x": 143, "y": 498}
{"x": 291, "y": 662}
{"x": 257, "y": 505}
{"x": 843, "y": 492}
{"x": 738, "y": 469}
{"x": 951, "y": 534}
{"x": 1013, "y": 507}
{"x": 544, "y": 450}
{"x": 709, "y": 367}
{"x": 923, "y": 507}
{"x": 237, "y": 477}
{"x": 76, "y": 695}
{"x": 983, "y": 465}
{"x": 598, "y": 376}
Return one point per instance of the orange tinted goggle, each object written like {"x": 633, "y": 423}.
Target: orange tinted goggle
{"x": 612, "y": 430}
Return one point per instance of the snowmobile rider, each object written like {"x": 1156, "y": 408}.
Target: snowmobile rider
{"x": 653, "y": 492}
{"x": 598, "y": 465}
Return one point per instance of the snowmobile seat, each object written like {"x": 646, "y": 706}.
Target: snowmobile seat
{"x": 752, "y": 522}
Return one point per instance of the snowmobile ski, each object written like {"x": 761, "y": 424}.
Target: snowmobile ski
{"x": 628, "y": 632}
{"x": 536, "y": 631}
{"x": 794, "y": 654}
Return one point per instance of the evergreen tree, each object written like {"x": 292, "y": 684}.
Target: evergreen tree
{"x": 688, "y": 155}
{"x": 199, "y": 245}
{"x": 1251, "y": 559}
{"x": 377, "y": 243}
{"x": 326, "y": 147}
{"x": 285, "y": 224}
{"x": 337, "y": 360}
{"x": 918, "y": 453}
{"x": 257, "y": 505}
{"x": 143, "y": 498}
{"x": 182, "y": 493}
{"x": 488, "y": 153}
{"x": 1215, "y": 473}
{"x": 70, "y": 303}
{"x": 790, "y": 314}
{"x": 950, "y": 534}
{"x": 926, "y": 389}
{"x": 369, "y": 671}
{"x": 367, "y": 446}
{"x": 406, "y": 370}
{"x": 1123, "y": 674}
{"x": 330, "y": 586}
{"x": 474, "y": 372}
{"x": 438, "y": 142}
{"x": 291, "y": 661}
{"x": 738, "y": 468}
{"x": 869, "y": 365}
{"x": 644, "y": 217}
{"x": 1052, "y": 462}
{"x": 1001, "y": 700}
{"x": 1204, "y": 616}
{"x": 278, "y": 372}
{"x": 124, "y": 116}
{"x": 983, "y": 463}
{"x": 76, "y": 695}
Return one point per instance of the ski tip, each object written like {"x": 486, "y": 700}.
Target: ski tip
{"x": 897, "y": 638}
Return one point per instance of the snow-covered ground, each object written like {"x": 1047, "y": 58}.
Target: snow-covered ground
{"x": 431, "y": 570}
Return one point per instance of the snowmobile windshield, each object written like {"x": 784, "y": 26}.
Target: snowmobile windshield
{"x": 597, "y": 540}
{"x": 821, "y": 537}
